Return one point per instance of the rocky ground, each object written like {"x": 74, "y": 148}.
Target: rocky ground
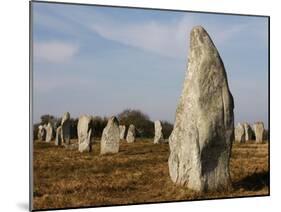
{"x": 137, "y": 174}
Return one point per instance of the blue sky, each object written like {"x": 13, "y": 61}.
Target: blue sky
{"x": 101, "y": 60}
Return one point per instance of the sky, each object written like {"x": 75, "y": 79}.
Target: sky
{"x": 101, "y": 60}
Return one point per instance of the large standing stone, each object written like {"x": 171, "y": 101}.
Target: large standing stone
{"x": 158, "y": 136}
{"x": 49, "y": 132}
{"x": 110, "y": 137}
{"x": 122, "y": 129}
{"x": 84, "y": 131}
{"x": 239, "y": 133}
{"x": 65, "y": 128}
{"x": 259, "y": 131}
{"x": 58, "y": 136}
{"x": 131, "y": 134}
{"x": 41, "y": 133}
{"x": 201, "y": 141}
{"x": 248, "y": 132}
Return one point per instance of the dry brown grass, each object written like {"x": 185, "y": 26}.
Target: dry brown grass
{"x": 137, "y": 174}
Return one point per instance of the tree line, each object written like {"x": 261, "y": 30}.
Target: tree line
{"x": 144, "y": 126}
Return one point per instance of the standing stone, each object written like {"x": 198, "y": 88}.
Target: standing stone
{"x": 65, "y": 128}
{"x": 131, "y": 134}
{"x": 122, "y": 129}
{"x": 41, "y": 133}
{"x": 84, "y": 131}
{"x": 49, "y": 132}
{"x": 248, "y": 132}
{"x": 110, "y": 137}
{"x": 259, "y": 131}
{"x": 58, "y": 136}
{"x": 239, "y": 133}
{"x": 201, "y": 140}
{"x": 158, "y": 137}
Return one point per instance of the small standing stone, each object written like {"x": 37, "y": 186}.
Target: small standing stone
{"x": 239, "y": 133}
{"x": 110, "y": 137}
{"x": 122, "y": 129}
{"x": 41, "y": 133}
{"x": 131, "y": 134}
{"x": 259, "y": 131}
{"x": 158, "y": 137}
{"x": 49, "y": 132}
{"x": 65, "y": 128}
{"x": 58, "y": 136}
{"x": 84, "y": 131}
{"x": 248, "y": 132}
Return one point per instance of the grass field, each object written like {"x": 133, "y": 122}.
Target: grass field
{"x": 137, "y": 174}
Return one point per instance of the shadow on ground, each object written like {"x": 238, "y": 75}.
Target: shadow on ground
{"x": 253, "y": 182}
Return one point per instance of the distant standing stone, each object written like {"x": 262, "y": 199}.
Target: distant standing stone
{"x": 65, "y": 128}
{"x": 49, "y": 132}
{"x": 239, "y": 133}
{"x": 58, "y": 136}
{"x": 259, "y": 131}
{"x": 131, "y": 134}
{"x": 110, "y": 137}
{"x": 122, "y": 129}
{"x": 84, "y": 131}
{"x": 248, "y": 132}
{"x": 158, "y": 136}
{"x": 200, "y": 143}
{"x": 41, "y": 133}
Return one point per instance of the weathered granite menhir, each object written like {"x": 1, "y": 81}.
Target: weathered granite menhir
{"x": 84, "y": 131}
{"x": 201, "y": 141}
{"x": 110, "y": 137}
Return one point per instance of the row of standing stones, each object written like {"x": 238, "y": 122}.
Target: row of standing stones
{"x": 201, "y": 140}
{"x": 111, "y": 136}
{"x": 245, "y": 132}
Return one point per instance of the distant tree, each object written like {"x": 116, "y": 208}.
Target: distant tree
{"x": 73, "y": 127}
{"x": 144, "y": 126}
{"x": 266, "y": 135}
{"x": 167, "y": 129}
{"x": 45, "y": 119}
{"x": 35, "y": 131}
{"x": 56, "y": 122}
{"x": 99, "y": 124}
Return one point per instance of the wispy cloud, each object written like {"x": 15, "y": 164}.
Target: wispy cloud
{"x": 54, "y": 51}
{"x": 167, "y": 39}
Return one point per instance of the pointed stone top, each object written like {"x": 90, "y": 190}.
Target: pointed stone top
{"x": 259, "y": 122}
{"x": 132, "y": 127}
{"x": 199, "y": 38}
{"x": 113, "y": 120}
{"x": 89, "y": 118}
{"x": 198, "y": 29}
{"x": 66, "y": 117}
